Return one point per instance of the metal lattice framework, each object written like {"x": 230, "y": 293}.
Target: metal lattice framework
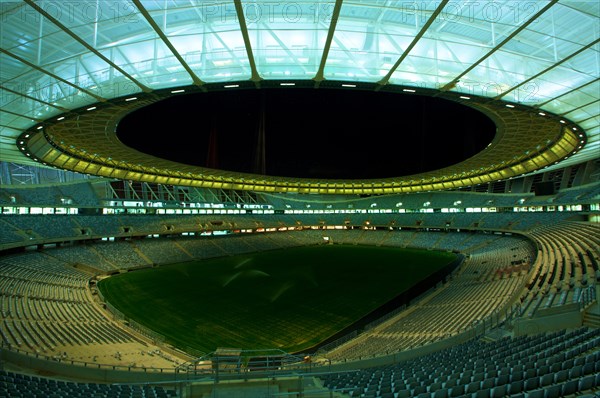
{"x": 533, "y": 67}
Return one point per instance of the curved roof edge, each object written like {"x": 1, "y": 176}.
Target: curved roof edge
{"x": 84, "y": 140}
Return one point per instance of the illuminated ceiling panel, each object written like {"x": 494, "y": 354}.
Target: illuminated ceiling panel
{"x": 59, "y": 56}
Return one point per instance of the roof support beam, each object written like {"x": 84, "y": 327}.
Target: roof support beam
{"x": 167, "y": 42}
{"x": 414, "y": 42}
{"x": 453, "y": 82}
{"x": 24, "y": 61}
{"x": 86, "y": 45}
{"x": 244, "y": 28}
{"x": 549, "y": 68}
{"x": 319, "y": 77}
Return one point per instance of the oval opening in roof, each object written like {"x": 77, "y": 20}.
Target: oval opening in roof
{"x": 309, "y": 133}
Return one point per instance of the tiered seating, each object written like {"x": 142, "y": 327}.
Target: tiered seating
{"x": 40, "y": 227}
{"x": 120, "y": 253}
{"x": 18, "y": 385}
{"x": 82, "y": 254}
{"x": 201, "y": 248}
{"x": 45, "y": 306}
{"x": 487, "y": 283}
{"x": 45, "y": 303}
{"x": 566, "y": 263}
{"x": 33, "y": 229}
{"x": 161, "y": 251}
{"x": 78, "y": 194}
{"x": 233, "y": 245}
{"x": 263, "y": 242}
{"x": 546, "y": 366}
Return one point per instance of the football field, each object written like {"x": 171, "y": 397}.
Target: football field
{"x": 290, "y": 299}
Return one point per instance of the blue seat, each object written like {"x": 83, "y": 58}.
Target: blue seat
{"x": 539, "y": 393}
{"x": 472, "y": 387}
{"x": 570, "y": 387}
{"x": 517, "y": 375}
{"x": 502, "y": 379}
{"x": 588, "y": 368}
{"x": 546, "y": 380}
{"x": 498, "y": 391}
{"x": 555, "y": 367}
{"x": 457, "y": 391}
{"x": 441, "y": 393}
{"x": 561, "y": 376}
{"x": 531, "y": 384}
{"x": 516, "y": 387}
{"x": 587, "y": 383}
{"x": 403, "y": 393}
{"x": 576, "y": 371}
{"x": 553, "y": 391}
{"x": 433, "y": 387}
{"x": 568, "y": 364}
{"x": 488, "y": 383}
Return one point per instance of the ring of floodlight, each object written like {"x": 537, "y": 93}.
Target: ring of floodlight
{"x": 84, "y": 140}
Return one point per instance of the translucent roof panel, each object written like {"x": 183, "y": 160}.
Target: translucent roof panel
{"x": 360, "y": 48}
{"x": 584, "y": 113}
{"x": 287, "y": 39}
{"x": 206, "y": 35}
{"x": 7, "y": 141}
{"x": 576, "y": 100}
{"x": 558, "y": 79}
{"x": 469, "y": 32}
{"x": 17, "y": 122}
{"x": 58, "y": 55}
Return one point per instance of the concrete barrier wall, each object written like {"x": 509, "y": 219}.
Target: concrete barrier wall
{"x": 89, "y": 372}
{"x": 548, "y": 323}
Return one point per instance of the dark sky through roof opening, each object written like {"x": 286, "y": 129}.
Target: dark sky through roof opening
{"x": 309, "y": 133}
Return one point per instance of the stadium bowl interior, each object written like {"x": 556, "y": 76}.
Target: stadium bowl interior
{"x": 517, "y": 316}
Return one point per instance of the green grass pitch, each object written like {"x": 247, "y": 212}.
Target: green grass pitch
{"x": 290, "y": 299}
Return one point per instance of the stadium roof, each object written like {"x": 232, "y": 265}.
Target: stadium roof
{"x": 60, "y": 58}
